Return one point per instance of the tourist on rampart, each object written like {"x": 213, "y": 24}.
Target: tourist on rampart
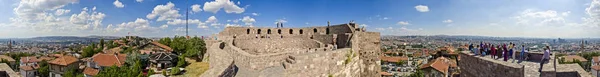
{"x": 505, "y": 52}
{"x": 545, "y": 58}
{"x": 510, "y": 50}
{"x": 522, "y": 56}
{"x": 493, "y": 50}
{"x": 471, "y": 47}
{"x": 498, "y": 51}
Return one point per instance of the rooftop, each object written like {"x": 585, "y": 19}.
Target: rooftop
{"x": 64, "y": 60}
{"x": 108, "y": 60}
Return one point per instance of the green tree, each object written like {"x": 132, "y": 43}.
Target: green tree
{"x": 44, "y": 69}
{"x": 181, "y": 62}
{"x": 151, "y": 72}
{"x": 418, "y": 73}
{"x": 175, "y": 70}
{"x": 71, "y": 72}
{"x": 401, "y": 62}
{"x": 165, "y": 41}
{"x": 101, "y": 43}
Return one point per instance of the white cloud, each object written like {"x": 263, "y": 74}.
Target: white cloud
{"x": 197, "y": 22}
{"x": 118, "y": 4}
{"x": 403, "y": 23}
{"x": 255, "y": 14}
{"x": 140, "y": 25}
{"x": 363, "y": 25}
{"x": 202, "y": 26}
{"x": 447, "y": 21}
{"x": 179, "y": 29}
{"x": 540, "y": 18}
{"x": 59, "y": 12}
{"x": 164, "y": 26}
{"x": 385, "y": 18}
{"x": 228, "y": 25}
{"x": 248, "y": 21}
{"x": 566, "y": 13}
{"x": 228, "y": 6}
{"x": 280, "y": 21}
{"x": 422, "y": 8}
{"x": 196, "y": 8}
{"x": 86, "y": 20}
{"x": 164, "y": 12}
{"x": 35, "y": 9}
{"x": 140, "y": 1}
{"x": 211, "y": 19}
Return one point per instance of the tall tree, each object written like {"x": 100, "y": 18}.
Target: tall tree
{"x": 101, "y": 43}
{"x": 44, "y": 69}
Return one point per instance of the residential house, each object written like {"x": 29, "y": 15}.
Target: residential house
{"x": 10, "y": 60}
{"x": 394, "y": 60}
{"x": 90, "y": 72}
{"x": 6, "y": 71}
{"x": 595, "y": 70}
{"x": 28, "y": 61}
{"x": 28, "y": 71}
{"x": 154, "y": 47}
{"x": 102, "y": 60}
{"x": 163, "y": 60}
{"x": 595, "y": 60}
{"x": 440, "y": 67}
{"x": 62, "y": 64}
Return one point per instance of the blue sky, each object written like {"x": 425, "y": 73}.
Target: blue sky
{"x": 162, "y": 18}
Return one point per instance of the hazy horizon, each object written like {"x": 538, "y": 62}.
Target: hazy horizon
{"x": 166, "y": 18}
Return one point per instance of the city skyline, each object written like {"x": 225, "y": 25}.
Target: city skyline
{"x": 157, "y": 18}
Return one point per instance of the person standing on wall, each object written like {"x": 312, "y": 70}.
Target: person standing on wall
{"x": 545, "y": 58}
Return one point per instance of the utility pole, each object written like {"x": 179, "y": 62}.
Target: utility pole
{"x": 186, "y": 18}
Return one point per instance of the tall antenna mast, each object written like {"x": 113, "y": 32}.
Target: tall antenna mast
{"x": 186, "y": 18}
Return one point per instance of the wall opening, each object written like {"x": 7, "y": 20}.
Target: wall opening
{"x": 315, "y": 30}
{"x": 327, "y": 31}
{"x": 258, "y": 31}
{"x": 247, "y": 31}
{"x": 301, "y": 31}
{"x": 279, "y": 31}
{"x": 291, "y": 31}
{"x": 269, "y": 31}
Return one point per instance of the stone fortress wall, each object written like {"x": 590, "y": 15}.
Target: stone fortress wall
{"x": 305, "y": 52}
{"x": 477, "y": 66}
{"x": 472, "y": 66}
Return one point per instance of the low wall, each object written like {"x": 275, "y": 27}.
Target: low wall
{"x": 474, "y": 66}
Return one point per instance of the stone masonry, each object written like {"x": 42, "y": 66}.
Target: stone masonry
{"x": 484, "y": 66}
{"x": 335, "y": 50}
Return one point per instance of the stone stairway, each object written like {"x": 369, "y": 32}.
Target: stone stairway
{"x": 289, "y": 61}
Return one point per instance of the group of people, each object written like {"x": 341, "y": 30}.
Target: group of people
{"x": 499, "y": 51}
{"x": 506, "y": 51}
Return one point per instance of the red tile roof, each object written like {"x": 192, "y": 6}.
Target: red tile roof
{"x": 393, "y": 59}
{"x": 167, "y": 48}
{"x": 386, "y": 73}
{"x": 440, "y": 64}
{"x": 26, "y": 68}
{"x": 8, "y": 58}
{"x": 90, "y": 71}
{"x": 64, "y": 60}
{"x": 30, "y": 59}
{"x": 108, "y": 60}
{"x": 45, "y": 58}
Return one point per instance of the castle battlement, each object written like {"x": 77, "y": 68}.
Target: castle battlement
{"x": 472, "y": 65}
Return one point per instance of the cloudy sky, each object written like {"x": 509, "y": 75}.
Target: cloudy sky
{"x": 162, "y": 18}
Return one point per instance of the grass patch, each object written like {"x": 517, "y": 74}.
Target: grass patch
{"x": 195, "y": 69}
